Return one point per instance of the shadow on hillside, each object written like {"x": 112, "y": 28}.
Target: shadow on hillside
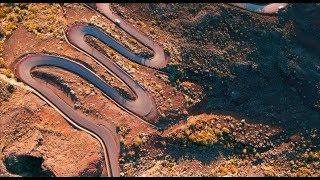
{"x": 265, "y": 88}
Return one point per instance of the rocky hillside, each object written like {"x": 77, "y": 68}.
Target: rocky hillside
{"x": 240, "y": 96}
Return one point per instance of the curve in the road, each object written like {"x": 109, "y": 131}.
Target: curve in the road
{"x": 143, "y": 105}
{"x": 271, "y": 8}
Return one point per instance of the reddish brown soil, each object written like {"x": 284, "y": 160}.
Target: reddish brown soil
{"x": 225, "y": 80}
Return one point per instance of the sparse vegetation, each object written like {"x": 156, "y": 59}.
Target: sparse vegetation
{"x": 5, "y": 91}
{"x": 2, "y": 65}
{"x": 228, "y": 168}
{"x": 40, "y": 18}
{"x": 312, "y": 156}
{"x": 137, "y": 141}
{"x": 303, "y": 172}
{"x": 202, "y": 130}
{"x": 236, "y": 70}
{"x": 7, "y": 72}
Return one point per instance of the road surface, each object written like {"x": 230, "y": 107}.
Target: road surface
{"x": 143, "y": 105}
{"x": 272, "y": 8}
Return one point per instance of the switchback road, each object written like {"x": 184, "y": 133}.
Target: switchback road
{"x": 143, "y": 105}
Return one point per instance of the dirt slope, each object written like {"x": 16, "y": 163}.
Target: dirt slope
{"x": 240, "y": 96}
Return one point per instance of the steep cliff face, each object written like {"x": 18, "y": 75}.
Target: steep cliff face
{"x": 240, "y": 96}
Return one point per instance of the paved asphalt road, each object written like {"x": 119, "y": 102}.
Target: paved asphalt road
{"x": 271, "y": 8}
{"x": 143, "y": 105}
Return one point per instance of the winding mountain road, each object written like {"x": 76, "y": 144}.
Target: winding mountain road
{"x": 143, "y": 105}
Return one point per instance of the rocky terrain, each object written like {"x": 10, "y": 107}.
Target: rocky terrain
{"x": 239, "y": 97}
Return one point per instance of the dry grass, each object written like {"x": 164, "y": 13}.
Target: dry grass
{"x": 202, "y": 130}
{"x": 303, "y": 172}
{"x": 227, "y": 168}
{"x": 7, "y": 72}
{"x": 4, "y": 91}
{"x": 42, "y": 19}
{"x": 2, "y": 65}
{"x": 312, "y": 156}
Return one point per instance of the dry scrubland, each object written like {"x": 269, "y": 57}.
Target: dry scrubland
{"x": 240, "y": 96}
